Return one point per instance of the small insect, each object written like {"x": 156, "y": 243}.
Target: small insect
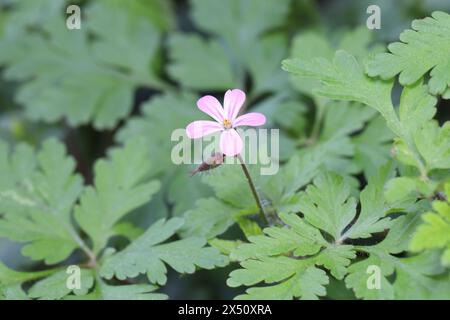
{"x": 212, "y": 162}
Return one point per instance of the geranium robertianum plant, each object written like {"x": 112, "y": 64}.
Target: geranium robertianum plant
{"x": 358, "y": 209}
{"x": 227, "y": 120}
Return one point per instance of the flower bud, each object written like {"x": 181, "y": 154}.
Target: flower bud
{"x": 210, "y": 163}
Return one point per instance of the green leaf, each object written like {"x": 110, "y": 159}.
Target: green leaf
{"x": 310, "y": 44}
{"x": 327, "y": 206}
{"x": 344, "y": 79}
{"x": 240, "y": 23}
{"x": 263, "y": 60}
{"x": 294, "y": 175}
{"x": 400, "y": 188}
{"x": 276, "y": 191}
{"x": 103, "y": 291}
{"x": 231, "y": 186}
{"x": 120, "y": 186}
{"x": 158, "y": 12}
{"x": 128, "y": 292}
{"x": 427, "y": 42}
{"x": 55, "y": 286}
{"x": 210, "y": 218}
{"x": 358, "y": 279}
{"x": 414, "y": 275}
{"x": 433, "y": 143}
{"x": 12, "y": 293}
{"x": 283, "y": 254}
{"x": 237, "y": 204}
{"x": 127, "y": 230}
{"x": 132, "y": 53}
{"x": 288, "y": 256}
{"x": 340, "y": 120}
{"x": 417, "y": 107}
{"x": 26, "y": 14}
{"x": 224, "y": 246}
{"x": 336, "y": 258}
{"x": 372, "y": 147}
{"x": 36, "y": 205}
{"x": 290, "y": 116}
{"x": 249, "y": 227}
{"x": 107, "y": 71}
{"x": 298, "y": 279}
{"x": 147, "y": 255}
{"x": 446, "y": 94}
{"x": 11, "y": 282}
{"x": 371, "y": 218}
{"x": 189, "y": 53}
{"x": 343, "y": 118}
{"x": 301, "y": 238}
{"x": 435, "y": 231}
{"x": 306, "y": 46}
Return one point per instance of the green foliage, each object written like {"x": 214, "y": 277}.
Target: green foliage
{"x": 54, "y": 286}
{"x": 11, "y": 280}
{"x": 191, "y": 53}
{"x": 343, "y": 78}
{"x": 414, "y": 275}
{"x": 240, "y": 22}
{"x": 36, "y": 200}
{"x": 147, "y": 255}
{"x": 39, "y": 193}
{"x": 421, "y": 146}
{"x": 119, "y": 187}
{"x": 288, "y": 258}
{"x": 427, "y": 42}
{"x": 105, "y": 71}
{"x": 234, "y": 49}
{"x": 310, "y": 44}
{"x": 156, "y": 126}
{"x": 235, "y": 204}
{"x": 360, "y": 198}
{"x": 435, "y": 232}
{"x": 104, "y": 291}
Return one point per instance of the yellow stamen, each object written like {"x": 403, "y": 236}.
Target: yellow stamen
{"x": 227, "y": 123}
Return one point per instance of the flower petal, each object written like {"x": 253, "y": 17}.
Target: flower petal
{"x": 212, "y": 107}
{"x": 232, "y": 103}
{"x": 198, "y": 129}
{"x": 230, "y": 143}
{"x": 250, "y": 119}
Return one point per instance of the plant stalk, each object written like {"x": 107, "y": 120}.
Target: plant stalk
{"x": 262, "y": 212}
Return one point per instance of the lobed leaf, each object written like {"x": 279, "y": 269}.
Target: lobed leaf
{"x": 120, "y": 186}
{"x": 37, "y": 199}
{"x": 423, "y": 48}
{"x": 148, "y": 254}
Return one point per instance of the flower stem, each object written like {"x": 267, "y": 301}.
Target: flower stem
{"x": 320, "y": 111}
{"x": 262, "y": 213}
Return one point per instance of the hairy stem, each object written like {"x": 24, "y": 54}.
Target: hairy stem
{"x": 320, "y": 111}
{"x": 262, "y": 213}
{"x": 92, "y": 263}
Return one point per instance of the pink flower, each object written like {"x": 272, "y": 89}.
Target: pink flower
{"x": 226, "y": 120}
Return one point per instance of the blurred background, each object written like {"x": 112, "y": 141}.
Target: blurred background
{"x": 136, "y": 67}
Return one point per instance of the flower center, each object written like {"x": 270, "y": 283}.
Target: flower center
{"x": 227, "y": 123}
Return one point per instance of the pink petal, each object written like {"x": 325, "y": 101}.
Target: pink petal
{"x": 230, "y": 143}
{"x": 212, "y": 107}
{"x": 198, "y": 129}
{"x": 232, "y": 103}
{"x": 250, "y": 119}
